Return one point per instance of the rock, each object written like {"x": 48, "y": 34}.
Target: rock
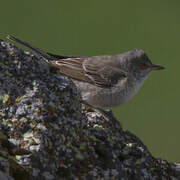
{"x": 4, "y": 176}
{"x": 47, "y": 135}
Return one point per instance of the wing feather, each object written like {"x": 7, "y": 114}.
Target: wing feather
{"x": 96, "y": 71}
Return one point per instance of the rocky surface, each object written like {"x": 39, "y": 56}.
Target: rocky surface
{"x": 45, "y": 134}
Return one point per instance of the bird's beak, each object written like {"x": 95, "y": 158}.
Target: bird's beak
{"x": 157, "y": 67}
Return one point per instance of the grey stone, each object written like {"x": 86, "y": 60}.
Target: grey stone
{"x": 45, "y": 133}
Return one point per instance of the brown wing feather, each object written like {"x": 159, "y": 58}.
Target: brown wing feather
{"x": 107, "y": 76}
{"x": 96, "y": 71}
{"x": 104, "y": 70}
{"x": 72, "y": 67}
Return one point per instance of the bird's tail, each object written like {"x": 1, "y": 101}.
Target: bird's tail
{"x": 45, "y": 55}
{"x": 36, "y": 50}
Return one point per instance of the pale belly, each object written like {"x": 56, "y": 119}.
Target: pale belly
{"x": 108, "y": 97}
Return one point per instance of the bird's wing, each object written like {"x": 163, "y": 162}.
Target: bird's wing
{"x": 106, "y": 76}
{"x": 94, "y": 70}
{"x": 99, "y": 70}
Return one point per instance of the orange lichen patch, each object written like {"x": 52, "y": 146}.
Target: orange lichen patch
{"x": 18, "y": 99}
{"x": 12, "y": 53}
{"x": 9, "y": 101}
{"x": 38, "y": 111}
{"x": 22, "y": 143}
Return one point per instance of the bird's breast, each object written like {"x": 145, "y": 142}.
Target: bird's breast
{"x": 117, "y": 95}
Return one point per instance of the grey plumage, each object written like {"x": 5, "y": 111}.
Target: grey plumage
{"x": 104, "y": 81}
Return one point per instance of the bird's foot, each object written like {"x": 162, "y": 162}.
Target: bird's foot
{"x": 106, "y": 113}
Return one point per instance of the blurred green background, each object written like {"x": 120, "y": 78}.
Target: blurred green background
{"x": 96, "y": 27}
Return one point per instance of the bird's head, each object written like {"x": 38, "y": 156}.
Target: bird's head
{"x": 139, "y": 65}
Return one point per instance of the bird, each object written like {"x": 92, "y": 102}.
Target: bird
{"x": 105, "y": 80}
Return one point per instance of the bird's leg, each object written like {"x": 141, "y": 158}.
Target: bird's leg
{"x": 107, "y": 114}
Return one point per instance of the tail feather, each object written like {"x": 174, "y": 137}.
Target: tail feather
{"x": 46, "y": 55}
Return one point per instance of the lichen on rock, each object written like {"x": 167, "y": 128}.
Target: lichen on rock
{"x": 45, "y": 133}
